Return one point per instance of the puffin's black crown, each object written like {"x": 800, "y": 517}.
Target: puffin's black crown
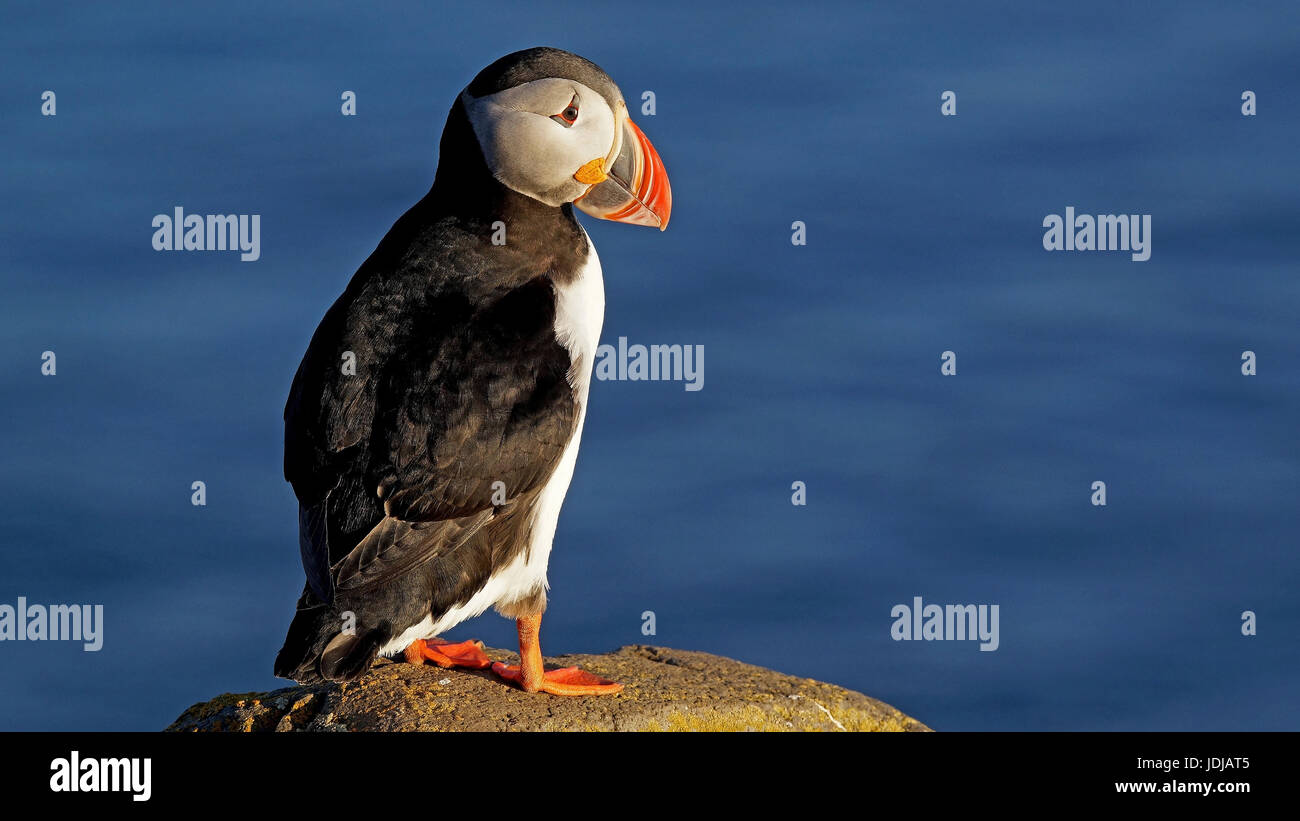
{"x": 538, "y": 64}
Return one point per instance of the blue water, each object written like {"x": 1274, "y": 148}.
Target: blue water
{"x": 821, "y": 365}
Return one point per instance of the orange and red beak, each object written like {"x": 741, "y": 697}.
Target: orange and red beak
{"x": 636, "y": 186}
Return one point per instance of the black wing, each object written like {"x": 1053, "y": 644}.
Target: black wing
{"x": 458, "y": 384}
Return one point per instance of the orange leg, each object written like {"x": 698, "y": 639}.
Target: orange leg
{"x": 446, "y": 654}
{"x": 530, "y": 675}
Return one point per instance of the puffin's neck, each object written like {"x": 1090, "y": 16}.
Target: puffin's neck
{"x": 540, "y": 239}
{"x": 464, "y": 187}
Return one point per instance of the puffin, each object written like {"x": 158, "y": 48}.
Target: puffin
{"x": 433, "y": 424}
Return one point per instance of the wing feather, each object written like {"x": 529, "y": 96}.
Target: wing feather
{"x": 454, "y": 391}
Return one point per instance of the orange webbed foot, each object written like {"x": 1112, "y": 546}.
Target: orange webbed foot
{"x": 445, "y": 654}
{"x": 567, "y": 681}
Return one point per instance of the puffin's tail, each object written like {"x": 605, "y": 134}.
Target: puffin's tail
{"x": 322, "y": 645}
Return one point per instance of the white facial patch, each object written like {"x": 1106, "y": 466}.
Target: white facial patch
{"x": 533, "y": 154}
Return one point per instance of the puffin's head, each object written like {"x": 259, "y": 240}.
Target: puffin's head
{"x": 554, "y": 127}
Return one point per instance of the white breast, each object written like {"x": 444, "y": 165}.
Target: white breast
{"x": 579, "y": 315}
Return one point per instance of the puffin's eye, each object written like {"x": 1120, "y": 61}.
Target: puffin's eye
{"x": 569, "y": 115}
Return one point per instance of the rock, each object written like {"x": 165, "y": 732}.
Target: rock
{"x": 663, "y": 689}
